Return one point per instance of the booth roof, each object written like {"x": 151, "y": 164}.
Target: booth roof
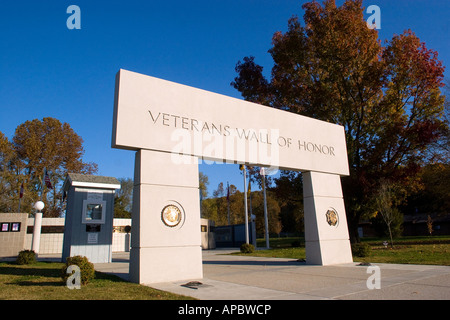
{"x": 78, "y": 179}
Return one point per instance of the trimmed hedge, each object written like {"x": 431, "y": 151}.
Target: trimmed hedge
{"x": 26, "y": 257}
{"x": 361, "y": 250}
{"x": 247, "y": 248}
{"x": 86, "y": 269}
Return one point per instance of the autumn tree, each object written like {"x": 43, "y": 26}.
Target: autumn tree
{"x": 37, "y": 145}
{"x": 387, "y": 96}
{"x": 8, "y": 185}
{"x": 231, "y": 199}
{"x": 441, "y": 149}
{"x": 433, "y": 198}
{"x": 287, "y": 189}
{"x": 273, "y": 212}
{"x": 216, "y": 207}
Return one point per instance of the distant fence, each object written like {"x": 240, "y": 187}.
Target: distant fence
{"x": 234, "y": 235}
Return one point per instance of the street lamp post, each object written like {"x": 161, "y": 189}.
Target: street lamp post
{"x": 266, "y": 223}
{"x": 39, "y": 205}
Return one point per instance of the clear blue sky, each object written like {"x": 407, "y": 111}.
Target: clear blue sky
{"x": 47, "y": 70}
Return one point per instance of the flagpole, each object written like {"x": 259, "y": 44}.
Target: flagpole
{"x": 39, "y": 205}
{"x": 42, "y": 184}
{"x": 252, "y": 220}
{"x": 228, "y": 202}
{"x": 20, "y": 195}
{"x": 201, "y": 199}
{"x": 266, "y": 222}
{"x": 249, "y": 190}
{"x": 245, "y": 205}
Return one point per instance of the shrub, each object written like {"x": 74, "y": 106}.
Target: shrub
{"x": 87, "y": 271}
{"x": 361, "y": 249}
{"x": 247, "y": 248}
{"x": 26, "y": 257}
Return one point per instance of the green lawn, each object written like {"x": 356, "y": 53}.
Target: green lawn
{"x": 409, "y": 250}
{"x": 42, "y": 281}
{"x": 437, "y": 254}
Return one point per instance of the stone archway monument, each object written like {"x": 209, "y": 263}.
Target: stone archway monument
{"x": 172, "y": 127}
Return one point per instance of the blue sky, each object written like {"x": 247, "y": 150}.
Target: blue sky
{"x": 47, "y": 70}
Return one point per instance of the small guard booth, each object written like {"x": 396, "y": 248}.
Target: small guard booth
{"x": 88, "y": 227}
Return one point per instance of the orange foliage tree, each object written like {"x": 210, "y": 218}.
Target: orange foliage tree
{"x": 387, "y": 96}
{"x": 39, "y": 145}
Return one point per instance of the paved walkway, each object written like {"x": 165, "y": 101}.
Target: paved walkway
{"x": 229, "y": 277}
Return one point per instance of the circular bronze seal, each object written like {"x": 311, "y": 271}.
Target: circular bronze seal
{"x": 332, "y": 217}
{"x": 171, "y": 215}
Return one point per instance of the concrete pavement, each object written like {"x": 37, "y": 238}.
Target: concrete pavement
{"x": 230, "y": 277}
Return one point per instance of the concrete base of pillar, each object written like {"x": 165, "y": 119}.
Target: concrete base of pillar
{"x": 326, "y": 231}
{"x": 166, "y": 243}
{"x": 153, "y": 265}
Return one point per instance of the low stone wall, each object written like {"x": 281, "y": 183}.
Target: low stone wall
{"x": 52, "y": 235}
{"x": 13, "y": 228}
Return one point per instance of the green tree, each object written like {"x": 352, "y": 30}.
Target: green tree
{"x": 123, "y": 199}
{"x": 216, "y": 207}
{"x": 203, "y": 182}
{"x": 388, "y": 98}
{"x": 120, "y": 211}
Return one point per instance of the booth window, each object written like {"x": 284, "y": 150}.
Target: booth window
{"x": 94, "y": 211}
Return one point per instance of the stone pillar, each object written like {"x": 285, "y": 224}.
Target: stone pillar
{"x": 326, "y": 231}
{"x": 166, "y": 234}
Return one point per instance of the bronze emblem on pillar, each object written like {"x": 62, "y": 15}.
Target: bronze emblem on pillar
{"x": 332, "y": 217}
{"x": 171, "y": 215}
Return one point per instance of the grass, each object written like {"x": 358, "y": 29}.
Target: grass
{"x": 283, "y": 242}
{"x": 407, "y": 250}
{"x": 434, "y": 254}
{"x": 42, "y": 281}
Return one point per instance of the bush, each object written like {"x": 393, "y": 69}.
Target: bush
{"x": 87, "y": 271}
{"x": 361, "y": 249}
{"x": 247, "y": 248}
{"x": 26, "y": 257}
